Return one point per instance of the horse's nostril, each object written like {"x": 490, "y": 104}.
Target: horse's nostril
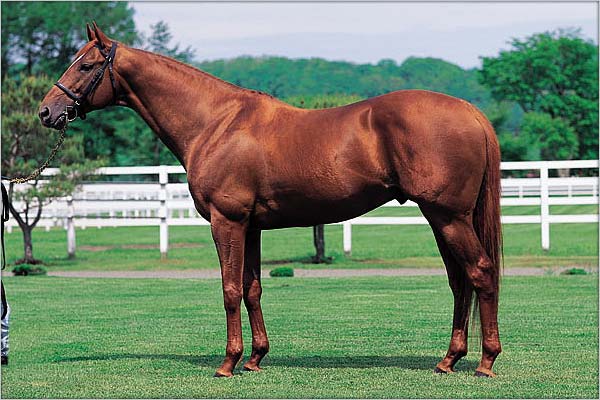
{"x": 44, "y": 112}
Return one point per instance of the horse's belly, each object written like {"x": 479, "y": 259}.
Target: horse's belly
{"x": 295, "y": 209}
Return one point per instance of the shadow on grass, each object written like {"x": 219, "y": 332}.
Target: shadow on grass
{"x": 404, "y": 362}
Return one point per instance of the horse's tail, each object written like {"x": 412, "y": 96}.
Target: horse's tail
{"x": 486, "y": 216}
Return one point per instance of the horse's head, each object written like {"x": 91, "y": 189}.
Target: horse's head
{"x": 88, "y": 84}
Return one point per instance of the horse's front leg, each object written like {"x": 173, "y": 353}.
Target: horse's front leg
{"x": 252, "y": 293}
{"x": 229, "y": 237}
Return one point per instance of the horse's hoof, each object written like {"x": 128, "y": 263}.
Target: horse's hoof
{"x": 221, "y": 374}
{"x": 484, "y": 373}
{"x": 440, "y": 371}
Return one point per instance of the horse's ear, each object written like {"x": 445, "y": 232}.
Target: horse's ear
{"x": 102, "y": 39}
{"x": 90, "y": 33}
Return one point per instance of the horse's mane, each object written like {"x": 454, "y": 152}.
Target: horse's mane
{"x": 177, "y": 64}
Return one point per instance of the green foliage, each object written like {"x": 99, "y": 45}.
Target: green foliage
{"x": 42, "y": 37}
{"x": 574, "y": 271}
{"x": 547, "y": 138}
{"x": 28, "y": 269}
{"x": 322, "y": 101}
{"x": 281, "y": 272}
{"x": 287, "y": 78}
{"x": 514, "y": 148}
{"x": 554, "y": 73}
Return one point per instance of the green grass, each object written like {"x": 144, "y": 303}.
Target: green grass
{"x": 342, "y": 338}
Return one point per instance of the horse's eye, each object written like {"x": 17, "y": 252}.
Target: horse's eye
{"x": 86, "y": 67}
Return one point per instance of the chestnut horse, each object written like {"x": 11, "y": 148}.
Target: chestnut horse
{"x": 255, "y": 163}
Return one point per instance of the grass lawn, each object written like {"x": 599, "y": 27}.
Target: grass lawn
{"x": 385, "y": 246}
{"x": 342, "y": 338}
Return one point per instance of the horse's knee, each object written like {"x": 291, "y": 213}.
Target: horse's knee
{"x": 232, "y": 297}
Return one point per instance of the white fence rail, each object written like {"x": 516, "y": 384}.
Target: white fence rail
{"x": 163, "y": 204}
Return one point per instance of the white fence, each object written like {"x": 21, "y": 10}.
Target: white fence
{"x": 163, "y": 204}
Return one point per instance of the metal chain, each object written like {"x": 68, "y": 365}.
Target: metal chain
{"x": 42, "y": 167}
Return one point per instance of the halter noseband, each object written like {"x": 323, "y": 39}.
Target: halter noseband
{"x": 83, "y": 97}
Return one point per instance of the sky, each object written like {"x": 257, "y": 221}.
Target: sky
{"x": 362, "y": 32}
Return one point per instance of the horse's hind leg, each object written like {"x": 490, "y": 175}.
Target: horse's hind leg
{"x": 462, "y": 291}
{"x": 459, "y": 235}
{"x": 252, "y": 293}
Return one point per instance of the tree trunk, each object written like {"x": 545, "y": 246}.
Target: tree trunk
{"x": 319, "y": 241}
{"x": 27, "y": 246}
{"x": 27, "y": 243}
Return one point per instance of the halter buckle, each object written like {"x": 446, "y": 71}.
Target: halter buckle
{"x": 67, "y": 112}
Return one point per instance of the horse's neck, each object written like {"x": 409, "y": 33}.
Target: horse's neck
{"x": 176, "y": 101}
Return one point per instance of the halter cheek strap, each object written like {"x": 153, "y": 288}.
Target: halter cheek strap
{"x": 89, "y": 89}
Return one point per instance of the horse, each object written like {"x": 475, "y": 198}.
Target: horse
{"x": 255, "y": 163}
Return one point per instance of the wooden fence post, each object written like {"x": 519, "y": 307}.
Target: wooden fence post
{"x": 545, "y": 208}
{"x": 347, "y": 233}
{"x": 163, "y": 179}
{"x": 71, "y": 240}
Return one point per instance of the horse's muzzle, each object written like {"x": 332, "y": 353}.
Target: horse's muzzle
{"x": 53, "y": 120}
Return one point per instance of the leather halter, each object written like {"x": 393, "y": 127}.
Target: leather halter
{"x": 83, "y": 97}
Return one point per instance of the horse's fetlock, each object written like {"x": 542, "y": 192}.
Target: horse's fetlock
{"x": 492, "y": 349}
{"x": 234, "y": 352}
{"x": 460, "y": 353}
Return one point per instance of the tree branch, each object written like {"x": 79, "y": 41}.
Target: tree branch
{"x": 39, "y": 213}
{"x": 15, "y": 214}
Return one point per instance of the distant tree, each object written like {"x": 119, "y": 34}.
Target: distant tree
{"x": 160, "y": 39}
{"x": 41, "y": 37}
{"x": 287, "y": 78}
{"x": 548, "y": 138}
{"x": 322, "y": 101}
{"x": 25, "y": 146}
{"x": 514, "y": 147}
{"x": 555, "y": 73}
